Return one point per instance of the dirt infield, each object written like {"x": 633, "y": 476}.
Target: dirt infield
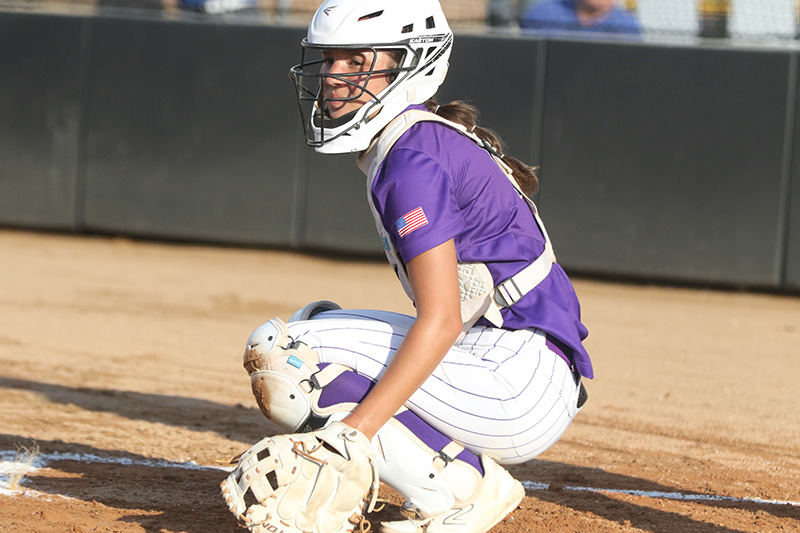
{"x": 121, "y": 361}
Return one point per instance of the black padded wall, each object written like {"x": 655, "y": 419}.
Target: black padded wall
{"x": 657, "y": 162}
{"x": 504, "y": 78}
{"x": 666, "y": 162}
{"x": 792, "y": 197}
{"x": 40, "y": 73}
{"x": 336, "y": 212}
{"x": 191, "y": 132}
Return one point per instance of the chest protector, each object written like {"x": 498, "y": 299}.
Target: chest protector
{"x": 481, "y": 296}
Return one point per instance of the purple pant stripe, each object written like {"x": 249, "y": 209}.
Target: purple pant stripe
{"x": 347, "y": 387}
{"x": 433, "y": 439}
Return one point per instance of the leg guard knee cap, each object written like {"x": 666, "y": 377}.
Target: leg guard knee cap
{"x": 280, "y": 372}
{"x": 287, "y": 380}
{"x": 267, "y": 341}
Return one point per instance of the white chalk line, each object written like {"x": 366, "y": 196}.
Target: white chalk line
{"x": 659, "y": 495}
{"x": 8, "y": 466}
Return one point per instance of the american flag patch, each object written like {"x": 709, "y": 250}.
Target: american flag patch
{"x": 411, "y": 221}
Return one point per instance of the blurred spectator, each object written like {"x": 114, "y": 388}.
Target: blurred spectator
{"x": 220, "y": 7}
{"x": 596, "y": 16}
{"x": 136, "y": 4}
{"x": 505, "y": 13}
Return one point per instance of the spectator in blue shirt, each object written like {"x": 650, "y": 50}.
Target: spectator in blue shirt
{"x": 564, "y": 16}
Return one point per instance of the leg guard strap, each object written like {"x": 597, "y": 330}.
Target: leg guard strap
{"x": 430, "y": 470}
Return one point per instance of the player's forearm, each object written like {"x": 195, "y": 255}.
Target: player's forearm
{"x": 420, "y": 353}
{"x": 434, "y": 282}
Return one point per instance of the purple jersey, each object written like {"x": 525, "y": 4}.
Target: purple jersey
{"x": 437, "y": 184}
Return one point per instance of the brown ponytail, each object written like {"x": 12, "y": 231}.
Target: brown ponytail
{"x": 467, "y": 115}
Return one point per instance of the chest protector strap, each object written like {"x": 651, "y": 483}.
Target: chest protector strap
{"x": 481, "y": 296}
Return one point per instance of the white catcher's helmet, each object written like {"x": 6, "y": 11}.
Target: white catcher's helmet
{"x": 418, "y": 28}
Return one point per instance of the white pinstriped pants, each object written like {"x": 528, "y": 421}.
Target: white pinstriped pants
{"x": 499, "y": 392}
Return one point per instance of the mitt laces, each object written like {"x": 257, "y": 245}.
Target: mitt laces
{"x": 360, "y": 523}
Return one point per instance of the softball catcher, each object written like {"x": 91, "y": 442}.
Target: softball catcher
{"x": 487, "y": 373}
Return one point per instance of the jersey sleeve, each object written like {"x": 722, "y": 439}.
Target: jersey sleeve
{"x": 415, "y": 198}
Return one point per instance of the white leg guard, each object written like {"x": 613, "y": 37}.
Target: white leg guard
{"x": 431, "y": 471}
{"x": 287, "y": 379}
{"x": 463, "y": 493}
{"x": 499, "y": 495}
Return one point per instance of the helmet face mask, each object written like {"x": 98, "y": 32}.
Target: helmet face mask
{"x": 413, "y": 33}
{"x": 310, "y": 80}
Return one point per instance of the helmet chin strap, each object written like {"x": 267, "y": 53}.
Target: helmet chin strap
{"x": 331, "y": 123}
{"x": 327, "y": 122}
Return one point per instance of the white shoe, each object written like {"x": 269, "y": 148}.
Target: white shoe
{"x": 500, "y": 494}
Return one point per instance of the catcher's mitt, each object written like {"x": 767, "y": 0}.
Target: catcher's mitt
{"x": 320, "y": 482}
